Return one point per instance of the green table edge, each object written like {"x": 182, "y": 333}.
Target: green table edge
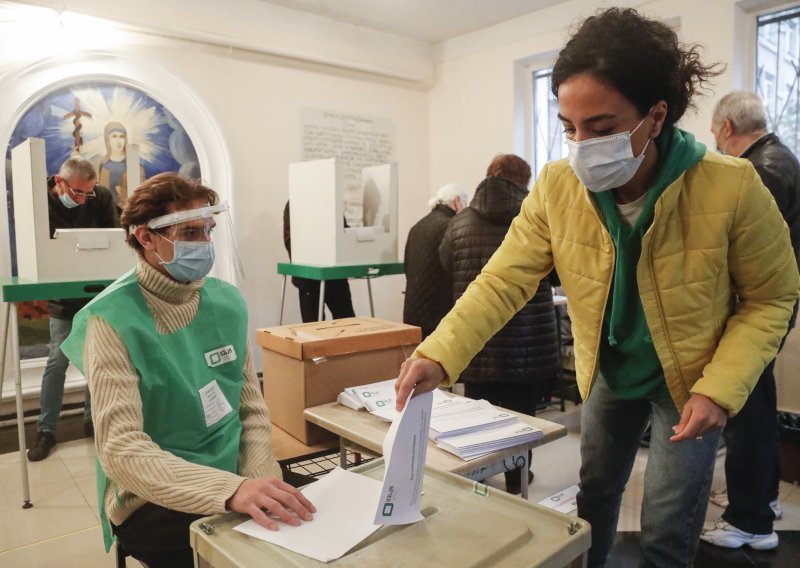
{"x": 336, "y": 272}
{"x": 19, "y": 290}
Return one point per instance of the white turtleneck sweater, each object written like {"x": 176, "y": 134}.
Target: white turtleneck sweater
{"x": 138, "y": 469}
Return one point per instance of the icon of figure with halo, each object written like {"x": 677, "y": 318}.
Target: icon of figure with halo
{"x": 112, "y": 168}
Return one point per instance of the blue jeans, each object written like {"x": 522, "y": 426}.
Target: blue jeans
{"x": 51, "y": 396}
{"x": 677, "y": 479}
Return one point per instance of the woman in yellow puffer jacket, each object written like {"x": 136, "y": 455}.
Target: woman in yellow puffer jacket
{"x": 678, "y": 268}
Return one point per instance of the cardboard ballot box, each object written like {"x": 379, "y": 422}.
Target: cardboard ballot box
{"x": 466, "y": 524}
{"x": 310, "y": 364}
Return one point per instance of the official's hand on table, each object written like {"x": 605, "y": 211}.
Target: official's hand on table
{"x": 417, "y": 374}
{"x": 700, "y": 415}
{"x": 263, "y": 496}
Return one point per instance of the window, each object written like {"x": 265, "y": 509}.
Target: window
{"x": 778, "y": 73}
{"x": 548, "y": 134}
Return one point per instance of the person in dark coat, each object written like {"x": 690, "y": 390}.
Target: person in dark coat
{"x": 337, "y": 292}
{"x": 429, "y": 288}
{"x": 752, "y": 465}
{"x": 519, "y": 364}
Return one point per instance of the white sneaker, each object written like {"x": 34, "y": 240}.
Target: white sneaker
{"x": 777, "y": 509}
{"x": 724, "y": 534}
{"x": 720, "y": 497}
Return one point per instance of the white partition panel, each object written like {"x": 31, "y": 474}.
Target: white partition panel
{"x": 319, "y": 237}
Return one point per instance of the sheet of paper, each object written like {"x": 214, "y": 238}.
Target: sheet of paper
{"x": 564, "y": 501}
{"x": 345, "y": 505}
{"x": 404, "y": 451}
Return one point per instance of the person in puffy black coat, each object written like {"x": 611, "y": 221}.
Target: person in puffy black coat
{"x": 519, "y": 364}
{"x": 429, "y": 289}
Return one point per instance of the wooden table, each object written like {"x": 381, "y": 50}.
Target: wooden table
{"x": 361, "y": 431}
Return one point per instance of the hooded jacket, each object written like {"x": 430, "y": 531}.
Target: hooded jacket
{"x": 717, "y": 279}
{"x": 525, "y": 350}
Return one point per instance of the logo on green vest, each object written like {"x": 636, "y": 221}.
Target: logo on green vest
{"x": 219, "y": 356}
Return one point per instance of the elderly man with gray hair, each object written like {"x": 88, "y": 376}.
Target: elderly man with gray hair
{"x": 752, "y": 467}
{"x": 429, "y": 288}
{"x": 74, "y": 201}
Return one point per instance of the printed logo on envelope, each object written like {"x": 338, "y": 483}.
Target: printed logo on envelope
{"x": 387, "y": 509}
{"x": 220, "y": 356}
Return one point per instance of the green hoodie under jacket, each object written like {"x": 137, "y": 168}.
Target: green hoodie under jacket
{"x": 628, "y": 360}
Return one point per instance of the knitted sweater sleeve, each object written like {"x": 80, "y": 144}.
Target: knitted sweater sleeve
{"x": 255, "y": 450}
{"x": 135, "y": 465}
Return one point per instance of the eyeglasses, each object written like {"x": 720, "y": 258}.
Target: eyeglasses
{"x": 86, "y": 194}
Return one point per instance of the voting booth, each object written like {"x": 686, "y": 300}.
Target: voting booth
{"x": 74, "y": 254}
{"x": 317, "y": 196}
{"x": 309, "y": 364}
{"x": 465, "y": 524}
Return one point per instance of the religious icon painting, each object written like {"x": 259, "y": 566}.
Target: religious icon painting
{"x": 98, "y": 119}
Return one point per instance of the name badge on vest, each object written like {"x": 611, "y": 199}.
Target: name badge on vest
{"x": 215, "y": 405}
{"x": 220, "y": 356}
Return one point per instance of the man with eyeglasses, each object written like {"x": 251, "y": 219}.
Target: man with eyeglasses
{"x": 74, "y": 201}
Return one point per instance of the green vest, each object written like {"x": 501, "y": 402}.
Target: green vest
{"x": 181, "y": 374}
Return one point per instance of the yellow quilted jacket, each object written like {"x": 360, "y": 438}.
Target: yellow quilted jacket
{"x": 717, "y": 277}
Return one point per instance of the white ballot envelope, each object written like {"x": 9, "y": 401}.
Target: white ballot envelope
{"x": 350, "y": 507}
{"x": 404, "y": 451}
{"x": 345, "y": 504}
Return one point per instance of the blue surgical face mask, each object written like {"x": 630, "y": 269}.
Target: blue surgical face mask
{"x": 190, "y": 261}
{"x": 67, "y": 201}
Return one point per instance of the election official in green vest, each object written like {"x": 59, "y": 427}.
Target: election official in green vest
{"x": 181, "y": 428}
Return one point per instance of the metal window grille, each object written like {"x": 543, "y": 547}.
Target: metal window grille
{"x": 778, "y": 73}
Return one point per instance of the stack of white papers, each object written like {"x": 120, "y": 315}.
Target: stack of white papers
{"x": 371, "y": 397}
{"x": 465, "y": 427}
{"x": 481, "y": 442}
{"x": 469, "y": 416}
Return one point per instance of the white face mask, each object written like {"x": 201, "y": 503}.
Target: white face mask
{"x": 606, "y": 162}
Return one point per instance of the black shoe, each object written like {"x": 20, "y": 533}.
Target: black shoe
{"x": 45, "y": 442}
{"x": 512, "y": 482}
{"x": 88, "y": 429}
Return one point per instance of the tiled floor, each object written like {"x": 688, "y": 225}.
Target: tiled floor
{"x": 63, "y": 529}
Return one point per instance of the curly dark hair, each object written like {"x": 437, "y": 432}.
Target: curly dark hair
{"x": 150, "y": 200}
{"x": 640, "y": 57}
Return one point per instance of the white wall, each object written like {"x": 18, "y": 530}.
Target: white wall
{"x": 482, "y": 75}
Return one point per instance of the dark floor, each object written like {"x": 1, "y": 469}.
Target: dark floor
{"x": 625, "y": 554}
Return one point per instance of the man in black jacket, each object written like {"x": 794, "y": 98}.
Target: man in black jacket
{"x": 74, "y": 201}
{"x": 429, "y": 288}
{"x": 752, "y": 467}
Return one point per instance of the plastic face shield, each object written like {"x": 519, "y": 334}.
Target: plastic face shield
{"x": 203, "y": 224}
